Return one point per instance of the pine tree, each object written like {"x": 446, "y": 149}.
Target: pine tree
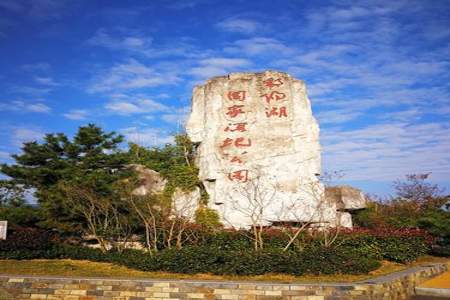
{"x": 92, "y": 159}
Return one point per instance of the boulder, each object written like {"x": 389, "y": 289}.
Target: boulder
{"x": 184, "y": 203}
{"x": 347, "y": 198}
{"x": 150, "y": 181}
{"x": 258, "y": 151}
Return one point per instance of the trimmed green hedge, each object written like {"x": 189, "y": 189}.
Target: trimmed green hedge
{"x": 354, "y": 252}
{"x": 402, "y": 246}
{"x": 195, "y": 259}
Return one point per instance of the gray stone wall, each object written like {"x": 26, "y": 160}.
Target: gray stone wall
{"x": 398, "y": 285}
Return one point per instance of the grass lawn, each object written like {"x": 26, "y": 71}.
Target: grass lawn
{"x": 82, "y": 268}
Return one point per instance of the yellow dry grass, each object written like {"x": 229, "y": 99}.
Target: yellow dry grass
{"x": 441, "y": 282}
{"x": 82, "y": 268}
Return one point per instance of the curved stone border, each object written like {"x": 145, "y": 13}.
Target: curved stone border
{"x": 398, "y": 285}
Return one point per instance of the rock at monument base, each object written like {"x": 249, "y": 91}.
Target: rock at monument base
{"x": 150, "y": 181}
{"x": 184, "y": 203}
{"x": 259, "y": 151}
{"x": 346, "y": 197}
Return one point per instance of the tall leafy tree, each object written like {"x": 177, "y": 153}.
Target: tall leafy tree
{"x": 91, "y": 159}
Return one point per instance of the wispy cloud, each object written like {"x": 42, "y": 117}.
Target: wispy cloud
{"x": 40, "y": 67}
{"x": 178, "y": 116}
{"x": 23, "y": 134}
{"x": 76, "y": 114}
{"x": 388, "y": 151}
{"x": 216, "y": 66}
{"x": 37, "y": 9}
{"x": 262, "y": 46}
{"x": 183, "y": 4}
{"x": 22, "y": 106}
{"x": 132, "y": 43}
{"x": 131, "y": 75}
{"x": 147, "y": 136}
{"x": 4, "y": 155}
{"x": 239, "y": 25}
{"x": 45, "y": 81}
{"x": 337, "y": 116}
{"x": 141, "y": 44}
{"x": 136, "y": 107}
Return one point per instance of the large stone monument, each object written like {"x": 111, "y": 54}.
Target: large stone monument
{"x": 258, "y": 151}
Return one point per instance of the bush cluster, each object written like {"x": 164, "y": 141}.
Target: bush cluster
{"x": 230, "y": 252}
{"x": 27, "y": 239}
{"x": 398, "y": 245}
{"x": 201, "y": 259}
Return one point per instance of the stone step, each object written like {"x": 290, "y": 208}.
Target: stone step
{"x": 432, "y": 292}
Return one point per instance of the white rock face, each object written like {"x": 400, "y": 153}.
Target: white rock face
{"x": 259, "y": 151}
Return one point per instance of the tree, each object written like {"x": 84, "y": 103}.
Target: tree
{"x": 166, "y": 222}
{"x": 91, "y": 159}
{"x": 175, "y": 162}
{"x": 14, "y": 208}
{"x": 416, "y": 189}
{"x": 253, "y": 199}
{"x": 259, "y": 200}
{"x": 12, "y": 195}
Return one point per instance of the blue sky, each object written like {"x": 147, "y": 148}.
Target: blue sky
{"x": 377, "y": 72}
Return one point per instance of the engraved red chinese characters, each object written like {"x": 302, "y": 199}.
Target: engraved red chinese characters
{"x": 239, "y": 175}
{"x": 236, "y": 159}
{"x": 276, "y": 111}
{"x": 236, "y": 95}
{"x": 276, "y": 96}
{"x": 238, "y": 142}
{"x": 236, "y": 127}
{"x": 270, "y": 82}
{"x": 234, "y": 111}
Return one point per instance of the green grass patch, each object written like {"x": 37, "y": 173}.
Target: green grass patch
{"x": 84, "y": 268}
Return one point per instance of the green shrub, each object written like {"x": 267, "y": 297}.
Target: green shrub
{"x": 207, "y": 217}
{"x": 443, "y": 251}
{"x": 193, "y": 260}
{"x": 231, "y": 252}
{"x": 398, "y": 245}
{"x": 27, "y": 239}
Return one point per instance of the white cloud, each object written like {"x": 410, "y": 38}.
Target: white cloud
{"x": 216, "y": 66}
{"x": 260, "y": 46}
{"x": 45, "y": 81}
{"x": 134, "y": 43}
{"x": 183, "y": 4}
{"x": 40, "y": 67}
{"x": 4, "y": 155}
{"x": 388, "y": 151}
{"x": 76, "y": 114}
{"x": 131, "y": 75}
{"x": 23, "y": 135}
{"x": 31, "y": 91}
{"x": 178, "y": 117}
{"x": 136, "y": 107}
{"x": 21, "y": 106}
{"x": 37, "y": 9}
{"x": 37, "y": 107}
{"x": 239, "y": 25}
{"x": 147, "y": 136}
{"x": 138, "y": 43}
{"x": 337, "y": 116}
